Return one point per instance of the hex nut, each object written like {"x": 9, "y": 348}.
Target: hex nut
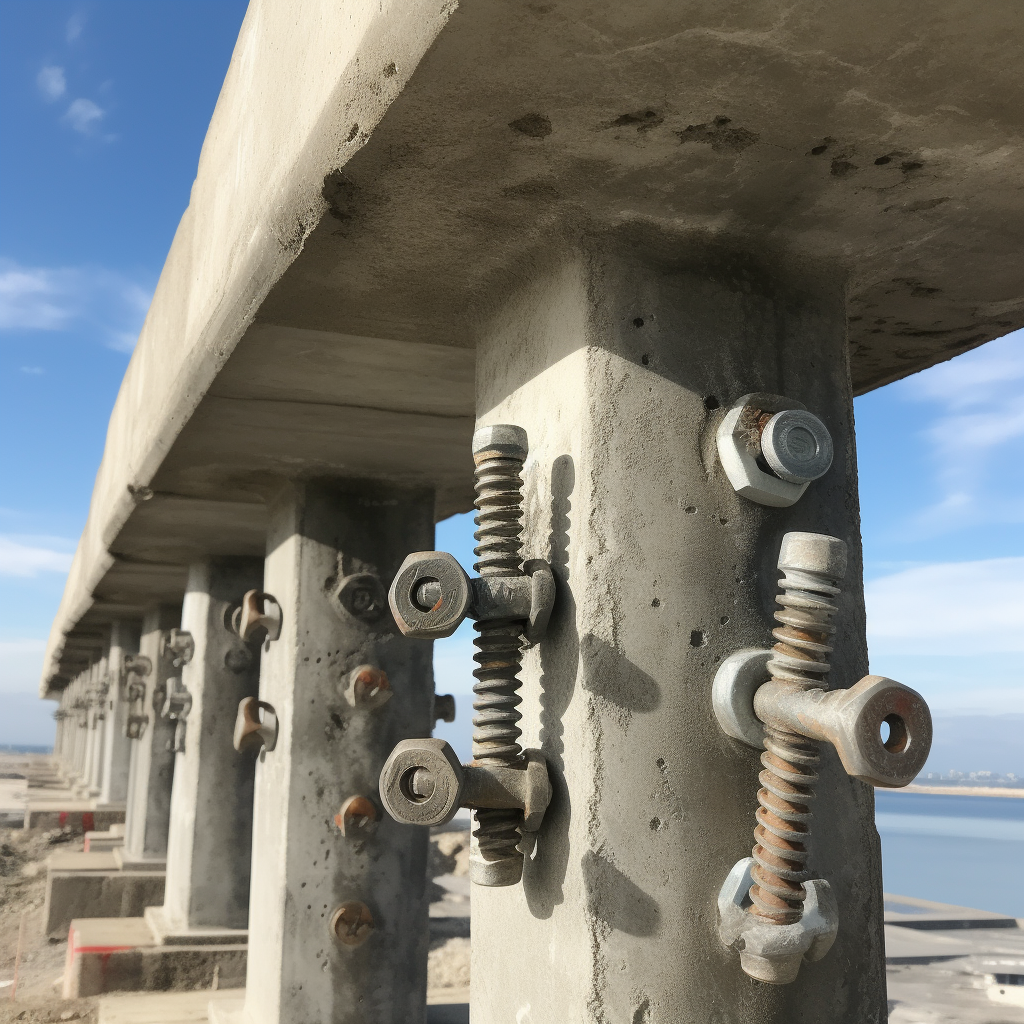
{"x": 770, "y": 952}
{"x": 444, "y": 617}
{"x": 437, "y": 758}
{"x": 868, "y": 704}
{"x": 797, "y": 446}
{"x": 360, "y": 595}
{"x": 737, "y": 451}
{"x": 352, "y": 923}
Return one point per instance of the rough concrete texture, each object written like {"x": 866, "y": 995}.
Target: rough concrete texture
{"x": 112, "y": 893}
{"x": 303, "y": 867}
{"x": 152, "y": 758}
{"x": 210, "y": 841}
{"x": 620, "y": 371}
{"x": 79, "y": 819}
{"x": 351, "y": 228}
{"x": 124, "y": 640}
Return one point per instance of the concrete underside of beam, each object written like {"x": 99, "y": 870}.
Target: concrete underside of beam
{"x": 352, "y": 229}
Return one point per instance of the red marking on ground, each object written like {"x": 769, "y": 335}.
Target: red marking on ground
{"x": 88, "y": 821}
{"x": 63, "y": 819}
{"x": 106, "y": 950}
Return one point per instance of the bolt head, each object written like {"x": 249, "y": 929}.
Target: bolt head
{"x": 797, "y": 446}
{"x": 362, "y": 596}
{"x": 814, "y": 552}
{"x": 357, "y": 817}
{"x": 863, "y": 710}
{"x": 501, "y": 440}
{"x": 441, "y": 619}
{"x": 408, "y": 760}
{"x": 368, "y": 687}
{"x": 352, "y": 923}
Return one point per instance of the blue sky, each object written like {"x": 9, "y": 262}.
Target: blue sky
{"x": 104, "y": 106}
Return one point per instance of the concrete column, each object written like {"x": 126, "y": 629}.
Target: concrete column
{"x": 124, "y": 640}
{"x": 97, "y": 717}
{"x": 210, "y": 841}
{"x": 152, "y": 757}
{"x": 81, "y": 730}
{"x": 621, "y": 371}
{"x": 303, "y": 868}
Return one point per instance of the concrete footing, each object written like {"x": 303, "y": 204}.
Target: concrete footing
{"x": 84, "y": 818}
{"x": 126, "y": 955}
{"x": 92, "y": 885}
{"x": 104, "y": 842}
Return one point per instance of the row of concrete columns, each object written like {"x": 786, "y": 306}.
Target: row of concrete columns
{"x": 254, "y": 840}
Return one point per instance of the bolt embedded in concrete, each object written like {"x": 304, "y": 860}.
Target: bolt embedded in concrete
{"x": 797, "y": 446}
{"x": 362, "y": 596}
{"x": 357, "y": 817}
{"x": 368, "y": 687}
{"x": 352, "y": 923}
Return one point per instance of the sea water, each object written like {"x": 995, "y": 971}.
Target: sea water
{"x": 967, "y": 850}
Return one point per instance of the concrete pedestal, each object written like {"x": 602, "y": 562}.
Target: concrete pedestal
{"x": 332, "y": 551}
{"x": 620, "y": 371}
{"x": 94, "y": 885}
{"x": 152, "y": 756}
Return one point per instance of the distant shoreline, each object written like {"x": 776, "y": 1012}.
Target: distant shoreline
{"x": 962, "y": 790}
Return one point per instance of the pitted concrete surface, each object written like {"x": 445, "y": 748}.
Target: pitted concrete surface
{"x": 351, "y": 229}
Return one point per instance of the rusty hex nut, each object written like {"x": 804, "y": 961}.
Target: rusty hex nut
{"x": 352, "y": 923}
{"x": 368, "y": 687}
{"x": 897, "y": 760}
{"x": 358, "y": 817}
{"x": 430, "y": 571}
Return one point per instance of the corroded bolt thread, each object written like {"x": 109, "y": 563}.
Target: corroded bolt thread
{"x": 812, "y": 564}
{"x": 499, "y": 453}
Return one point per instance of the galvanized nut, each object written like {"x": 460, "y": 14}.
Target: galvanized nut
{"x": 430, "y": 596}
{"x": 352, "y": 923}
{"x": 739, "y": 440}
{"x": 421, "y": 782}
{"x": 797, "y": 446}
{"x": 253, "y": 729}
{"x": 360, "y": 595}
{"x": 358, "y": 817}
{"x": 367, "y": 688}
{"x": 769, "y": 952}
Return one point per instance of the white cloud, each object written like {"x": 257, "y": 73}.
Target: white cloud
{"x": 33, "y": 370}
{"x": 100, "y": 301}
{"x": 84, "y": 116}
{"x": 51, "y": 82}
{"x": 74, "y": 26}
{"x": 975, "y": 436}
{"x": 948, "y": 608}
{"x": 30, "y": 556}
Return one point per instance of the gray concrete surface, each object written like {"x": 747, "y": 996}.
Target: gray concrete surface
{"x": 340, "y": 252}
{"x": 210, "y": 839}
{"x": 151, "y": 770}
{"x": 76, "y": 888}
{"x": 124, "y": 640}
{"x": 303, "y": 868}
{"x": 620, "y": 370}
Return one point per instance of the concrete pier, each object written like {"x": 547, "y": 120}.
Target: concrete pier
{"x": 333, "y": 912}
{"x": 124, "y": 640}
{"x": 210, "y": 838}
{"x": 151, "y": 771}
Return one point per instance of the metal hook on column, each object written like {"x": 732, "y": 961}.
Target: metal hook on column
{"x": 511, "y": 602}
{"x": 256, "y": 725}
{"x": 258, "y": 612}
{"x": 770, "y": 909}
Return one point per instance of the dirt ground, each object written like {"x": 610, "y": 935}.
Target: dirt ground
{"x": 38, "y": 999}
{"x": 41, "y": 964}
